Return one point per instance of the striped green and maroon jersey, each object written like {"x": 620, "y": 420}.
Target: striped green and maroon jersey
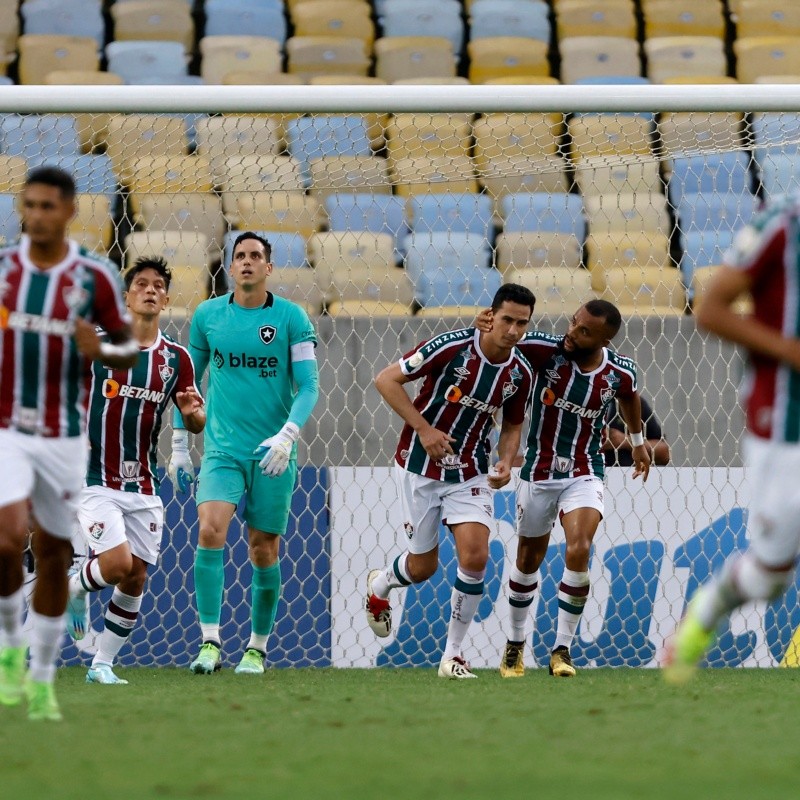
{"x": 125, "y": 411}
{"x": 568, "y": 409}
{"x": 43, "y": 377}
{"x": 460, "y": 394}
{"x": 768, "y": 250}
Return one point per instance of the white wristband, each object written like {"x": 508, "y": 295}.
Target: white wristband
{"x": 637, "y": 439}
{"x": 124, "y": 350}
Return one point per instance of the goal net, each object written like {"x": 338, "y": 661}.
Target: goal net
{"x": 394, "y": 213}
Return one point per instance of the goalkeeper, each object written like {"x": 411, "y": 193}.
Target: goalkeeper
{"x": 262, "y": 387}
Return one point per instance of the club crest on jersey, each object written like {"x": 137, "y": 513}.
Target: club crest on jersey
{"x": 509, "y": 389}
{"x": 607, "y": 395}
{"x": 96, "y": 530}
{"x": 75, "y": 296}
{"x": 409, "y": 529}
{"x": 267, "y": 333}
{"x": 165, "y": 372}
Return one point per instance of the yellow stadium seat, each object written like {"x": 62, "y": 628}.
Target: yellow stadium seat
{"x": 700, "y": 80}
{"x": 683, "y": 18}
{"x": 609, "y": 135}
{"x": 187, "y": 248}
{"x": 689, "y": 132}
{"x": 188, "y": 288}
{"x": 92, "y": 226}
{"x": 401, "y": 57}
{"x": 388, "y": 286}
{"x": 778, "y": 78}
{"x": 367, "y": 308}
{"x": 133, "y": 136}
{"x": 245, "y": 175}
{"x": 605, "y": 251}
{"x": 334, "y": 18}
{"x": 629, "y": 212}
{"x": 412, "y": 135}
{"x": 432, "y": 175}
{"x": 558, "y": 290}
{"x": 506, "y": 56}
{"x": 595, "y": 56}
{"x": 336, "y": 253}
{"x": 455, "y": 81}
{"x": 308, "y": 56}
{"x": 172, "y": 175}
{"x": 645, "y": 291}
{"x": 332, "y": 174}
{"x": 40, "y": 54}
{"x": 596, "y": 176}
{"x": 198, "y": 212}
{"x": 596, "y": 18}
{"x": 466, "y": 314}
{"x": 757, "y": 56}
{"x": 260, "y": 78}
{"x": 701, "y": 277}
{"x": 767, "y": 18}
{"x": 224, "y": 54}
{"x": 674, "y": 56}
{"x": 298, "y": 284}
{"x": 523, "y": 135}
{"x": 520, "y": 173}
{"x": 12, "y": 173}
{"x": 523, "y": 80}
{"x": 521, "y": 250}
{"x": 376, "y": 123}
{"x": 293, "y": 212}
{"x": 9, "y": 30}
{"x": 147, "y": 20}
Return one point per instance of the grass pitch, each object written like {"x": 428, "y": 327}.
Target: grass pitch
{"x": 407, "y": 734}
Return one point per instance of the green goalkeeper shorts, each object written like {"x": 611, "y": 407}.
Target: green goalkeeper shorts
{"x": 267, "y": 500}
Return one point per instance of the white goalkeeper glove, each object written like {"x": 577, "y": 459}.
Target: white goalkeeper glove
{"x": 277, "y": 450}
{"x": 181, "y": 468}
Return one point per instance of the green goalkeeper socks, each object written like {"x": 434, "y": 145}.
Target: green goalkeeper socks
{"x": 209, "y": 578}
{"x": 266, "y": 592}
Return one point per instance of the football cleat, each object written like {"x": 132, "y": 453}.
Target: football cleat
{"x": 456, "y": 669}
{"x": 252, "y": 662}
{"x": 102, "y": 673}
{"x": 77, "y": 613}
{"x": 12, "y": 674}
{"x": 208, "y": 659}
{"x": 512, "y": 665}
{"x": 683, "y": 653}
{"x": 379, "y": 612}
{"x": 561, "y": 663}
{"x": 42, "y": 703}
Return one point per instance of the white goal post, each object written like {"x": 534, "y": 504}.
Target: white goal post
{"x": 622, "y": 191}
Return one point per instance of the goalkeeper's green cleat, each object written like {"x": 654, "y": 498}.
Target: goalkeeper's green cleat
{"x": 12, "y": 674}
{"x": 252, "y": 662}
{"x": 208, "y": 660}
{"x": 689, "y": 644}
{"x": 42, "y": 703}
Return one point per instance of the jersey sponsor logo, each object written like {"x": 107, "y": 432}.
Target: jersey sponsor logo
{"x": 130, "y": 471}
{"x": 611, "y": 378}
{"x": 267, "y": 333}
{"x": 112, "y": 389}
{"x": 479, "y": 491}
{"x": 451, "y": 461}
{"x": 35, "y": 323}
{"x": 267, "y": 364}
{"x": 548, "y": 398}
{"x": 166, "y": 354}
{"x": 564, "y": 464}
{"x": 415, "y": 360}
{"x": 455, "y": 395}
{"x": 219, "y": 359}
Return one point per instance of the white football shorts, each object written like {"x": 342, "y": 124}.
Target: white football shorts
{"x": 109, "y": 518}
{"x": 426, "y": 502}
{"x": 47, "y": 471}
{"x": 539, "y": 503}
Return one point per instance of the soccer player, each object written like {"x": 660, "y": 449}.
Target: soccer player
{"x": 443, "y": 467}
{"x": 763, "y": 262}
{"x": 262, "y": 387}
{"x": 120, "y": 513}
{"x": 52, "y": 293}
{"x": 577, "y": 377}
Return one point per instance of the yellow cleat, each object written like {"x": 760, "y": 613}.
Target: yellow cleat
{"x": 689, "y": 644}
{"x": 561, "y": 663}
{"x": 42, "y": 703}
{"x": 13, "y": 661}
{"x": 512, "y": 665}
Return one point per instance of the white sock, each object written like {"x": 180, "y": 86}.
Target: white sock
{"x": 392, "y": 576}
{"x": 464, "y": 599}
{"x": 87, "y": 579}
{"x": 210, "y": 631}
{"x": 11, "y": 618}
{"x": 521, "y": 591}
{"x": 45, "y": 645}
{"x": 120, "y": 619}
{"x": 573, "y": 592}
{"x": 258, "y": 642}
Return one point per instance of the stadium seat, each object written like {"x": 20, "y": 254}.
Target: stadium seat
{"x": 40, "y": 54}
{"x": 609, "y": 135}
{"x": 710, "y": 172}
{"x": 598, "y": 18}
{"x": 700, "y": 280}
{"x": 169, "y": 174}
{"x": 334, "y": 252}
{"x": 523, "y": 80}
{"x": 135, "y": 60}
{"x": 359, "y": 290}
{"x": 429, "y": 135}
{"x": 675, "y": 56}
{"x": 629, "y": 212}
{"x": 420, "y": 18}
{"x": 558, "y": 290}
{"x": 12, "y": 173}
{"x": 65, "y": 18}
{"x": 288, "y": 249}
{"x": 153, "y": 20}
{"x": 542, "y": 211}
{"x": 715, "y": 212}
{"x": 291, "y": 212}
{"x": 367, "y": 308}
{"x": 9, "y": 33}
{"x": 232, "y": 18}
{"x": 93, "y": 172}
{"x": 701, "y": 249}
{"x": 779, "y": 173}
{"x": 316, "y": 136}
{"x": 188, "y": 248}
{"x": 334, "y": 18}
{"x": 585, "y": 56}
{"x": 131, "y": 136}
{"x": 766, "y": 55}
{"x": 645, "y": 291}
{"x": 537, "y": 249}
{"x": 38, "y": 136}
{"x": 188, "y": 288}
{"x": 683, "y": 18}
{"x": 521, "y": 173}
{"x": 506, "y": 56}
{"x": 298, "y": 284}
{"x": 489, "y": 18}
{"x": 475, "y": 286}
{"x": 775, "y": 132}
{"x": 767, "y": 18}
{"x": 499, "y": 136}
{"x": 453, "y": 252}
{"x": 376, "y": 122}
{"x": 595, "y": 176}
{"x": 366, "y": 211}
{"x": 333, "y": 174}
{"x": 465, "y": 213}
{"x": 689, "y": 132}
{"x": 192, "y": 211}
{"x": 10, "y": 226}
{"x": 319, "y": 55}
{"x": 258, "y": 173}
{"x": 261, "y": 78}
{"x": 432, "y": 175}
{"x": 401, "y": 57}
{"x": 225, "y": 54}
{"x": 92, "y": 226}
{"x": 621, "y": 249}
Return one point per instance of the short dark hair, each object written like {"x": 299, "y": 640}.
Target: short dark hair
{"x": 608, "y": 311}
{"x": 53, "y": 176}
{"x": 156, "y": 263}
{"x": 514, "y": 293}
{"x": 250, "y": 235}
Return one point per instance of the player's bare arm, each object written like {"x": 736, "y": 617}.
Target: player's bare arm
{"x": 716, "y": 315}
{"x": 507, "y": 449}
{"x": 483, "y": 322}
{"x": 389, "y": 382}
{"x": 120, "y": 353}
{"x": 190, "y": 404}
{"x": 631, "y": 410}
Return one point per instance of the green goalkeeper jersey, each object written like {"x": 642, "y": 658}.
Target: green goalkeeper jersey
{"x": 248, "y": 352}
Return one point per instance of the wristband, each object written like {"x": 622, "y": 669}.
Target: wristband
{"x": 637, "y": 439}
{"x": 124, "y": 350}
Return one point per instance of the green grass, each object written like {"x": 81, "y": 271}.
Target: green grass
{"x": 390, "y": 734}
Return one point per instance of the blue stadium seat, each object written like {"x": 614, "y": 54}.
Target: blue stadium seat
{"x": 226, "y": 18}
{"x": 701, "y": 249}
{"x": 445, "y": 250}
{"x": 780, "y": 173}
{"x": 136, "y": 60}
{"x": 422, "y": 18}
{"x": 65, "y": 18}
{"x": 553, "y": 212}
{"x": 472, "y": 286}
{"x": 715, "y": 212}
{"x": 9, "y": 219}
{"x": 776, "y": 132}
{"x": 365, "y": 211}
{"x": 6, "y": 81}
{"x": 318, "y": 136}
{"x": 93, "y": 173}
{"x": 710, "y": 172}
{"x": 509, "y": 18}
{"x": 37, "y": 136}
{"x": 464, "y": 211}
{"x": 288, "y": 249}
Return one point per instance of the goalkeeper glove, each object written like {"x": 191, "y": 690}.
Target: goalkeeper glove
{"x": 181, "y": 468}
{"x": 277, "y": 450}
